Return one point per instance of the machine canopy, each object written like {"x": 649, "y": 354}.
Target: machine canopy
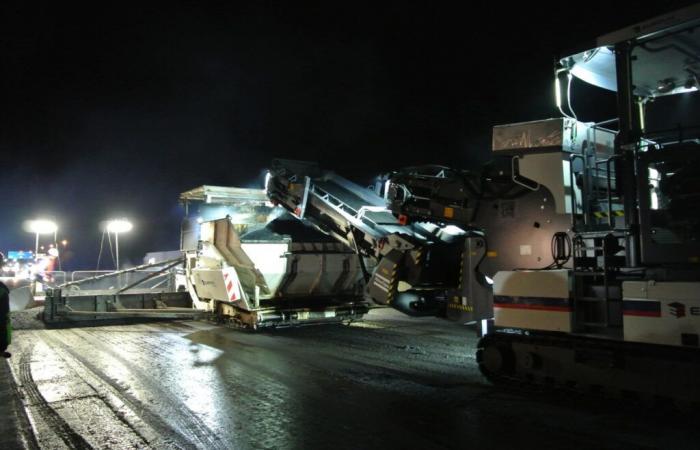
{"x": 665, "y": 56}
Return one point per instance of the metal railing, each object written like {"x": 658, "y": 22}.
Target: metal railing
{"x": 56, "y": 276}
{"x": 157, "y": 280}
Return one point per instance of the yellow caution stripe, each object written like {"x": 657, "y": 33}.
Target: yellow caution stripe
{"x": 460, "y": 307}
{"x": 603, "y": 214}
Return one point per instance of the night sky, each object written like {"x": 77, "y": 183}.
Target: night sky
{"x": 115, "y": 110}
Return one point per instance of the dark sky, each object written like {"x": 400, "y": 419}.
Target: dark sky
{"x": 114, "y": 110}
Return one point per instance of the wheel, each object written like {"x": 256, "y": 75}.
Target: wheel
{"x": 495, "y": 358}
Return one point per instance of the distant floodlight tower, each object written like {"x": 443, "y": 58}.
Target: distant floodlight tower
{"x": 118, "y": 226}
{"x": 41, "y": 226}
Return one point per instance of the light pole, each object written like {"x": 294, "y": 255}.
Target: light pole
{"x": 117, "y": 226}
{"x": 42, "y": 226}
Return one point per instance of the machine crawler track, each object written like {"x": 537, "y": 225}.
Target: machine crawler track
{"x": 638, "y": 374}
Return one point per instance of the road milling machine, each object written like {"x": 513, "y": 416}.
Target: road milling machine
{"x": 576, "y": 250}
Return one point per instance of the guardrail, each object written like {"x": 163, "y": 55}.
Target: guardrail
{"x": 57, "y": 276}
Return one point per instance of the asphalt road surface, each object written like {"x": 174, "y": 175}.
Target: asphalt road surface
{"x": 388, "y": 382}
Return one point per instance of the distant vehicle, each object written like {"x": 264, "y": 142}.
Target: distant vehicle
{"x": 18, "y": 264}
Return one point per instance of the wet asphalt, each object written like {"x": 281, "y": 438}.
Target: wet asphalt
{"x": 387, "y": 382}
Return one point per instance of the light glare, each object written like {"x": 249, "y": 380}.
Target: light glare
{"x": 42, "y": 226}
{"x": 119, "y": 226}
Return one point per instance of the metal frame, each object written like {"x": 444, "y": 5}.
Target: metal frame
{"x": 651, "y": 252}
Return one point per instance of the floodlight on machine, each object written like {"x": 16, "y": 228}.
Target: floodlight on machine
{"x": 268, "y": 176}
{"x": 596, "y": 67}
{"x": 557, "y": 93}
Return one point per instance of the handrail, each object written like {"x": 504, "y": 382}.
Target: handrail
{"x": 119, "y": 272}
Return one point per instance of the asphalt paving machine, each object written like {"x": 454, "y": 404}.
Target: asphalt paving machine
{"x": 254, "y": 266}
{"x": 241, "y": 262}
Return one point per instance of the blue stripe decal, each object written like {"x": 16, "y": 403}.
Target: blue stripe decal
{"x": 641, "y": 305}
{"x": 641, "y": 308}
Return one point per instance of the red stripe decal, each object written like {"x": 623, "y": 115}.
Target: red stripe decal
{"x": 532, "y": 307}
{"x": 229, "y": 286}
{"x": 233, "y": 296}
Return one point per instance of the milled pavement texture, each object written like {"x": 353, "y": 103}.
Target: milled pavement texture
{"x": 388, "y": 382}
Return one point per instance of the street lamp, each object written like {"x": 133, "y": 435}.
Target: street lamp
{"x": 117, "y": 226}
{"x": 42, "y": 226}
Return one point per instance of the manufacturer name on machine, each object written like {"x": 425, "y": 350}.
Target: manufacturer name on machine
{"x": 678, "y": 310}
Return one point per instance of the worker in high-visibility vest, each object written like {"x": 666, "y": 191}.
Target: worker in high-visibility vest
{"x": 5, "y": 325}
